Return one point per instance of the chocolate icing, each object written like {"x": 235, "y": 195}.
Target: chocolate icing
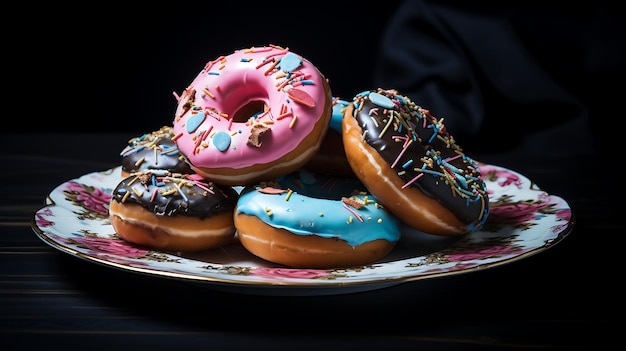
{"x": 171, "y": 194}
{"x": 444, "y": 172}
{"x": 155, "y": 150}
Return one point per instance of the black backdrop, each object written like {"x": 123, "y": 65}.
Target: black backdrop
{"x": 114, "y": 68}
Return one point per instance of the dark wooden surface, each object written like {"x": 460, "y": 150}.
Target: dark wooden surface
{"x": 567, "y": 297}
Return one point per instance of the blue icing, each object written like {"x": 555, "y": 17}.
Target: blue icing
{"x": 290, "y": 62}
{"x": 337, "y": 115}
{"x": 194, "y": 121}
{"x": 381, "y": 100}
{"x": 221, "y": 140}
{"x": 315, "y": 207}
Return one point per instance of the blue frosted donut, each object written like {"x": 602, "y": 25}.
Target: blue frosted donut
{"x": 311, "y": 220}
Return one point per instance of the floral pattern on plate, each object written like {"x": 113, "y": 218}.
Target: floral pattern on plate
{"x": 523, "y": 220}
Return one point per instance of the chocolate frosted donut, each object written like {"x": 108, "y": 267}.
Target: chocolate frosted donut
{"x": 155, "y": 150}
{"x": 408, "y": 160}
{"x": 174, "y": 212}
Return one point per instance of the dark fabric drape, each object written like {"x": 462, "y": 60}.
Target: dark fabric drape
{"x": 510, "y": 75}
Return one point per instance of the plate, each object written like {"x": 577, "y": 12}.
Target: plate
{"x": 524, "y": 220}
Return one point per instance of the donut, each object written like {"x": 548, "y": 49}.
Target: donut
{"x": 407, "y": 159}
{"x": 253, "y": 115}
{"x": 310, "y": 220}
{"x": 331, "y": 157}
{"x": 154, "y": 150}
{"x": 173, "y": 212}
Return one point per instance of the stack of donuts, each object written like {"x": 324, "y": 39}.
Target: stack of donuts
{"x": 321, "y": 182}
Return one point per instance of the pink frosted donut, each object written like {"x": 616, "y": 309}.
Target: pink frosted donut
{"x": 253, "y": 115}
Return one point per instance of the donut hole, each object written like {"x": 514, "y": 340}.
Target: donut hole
{"x": 250, "y": 109}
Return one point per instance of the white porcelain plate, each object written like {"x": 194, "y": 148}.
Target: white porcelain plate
{"x": 524, "y": 220}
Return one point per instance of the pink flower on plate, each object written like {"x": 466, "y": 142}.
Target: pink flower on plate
{"x": 91, "y": 198}
{"x": 564, "y": 214}
{"x": 483, "y": 253}
{"x": 41, "y": 221}
{"x": 493, "y": 173}
{"x": 288, "y": 273}
{"x": 110, "y": 246}
{"x": 516, "y": 212}
{"x": 461, "y": 266}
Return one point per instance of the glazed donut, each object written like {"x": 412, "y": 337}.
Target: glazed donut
{"x": 412, "y": 165}
{"x": 253, "y": 115}
{"x": 155, "y": 150}
{"x": 173, "y": 212}
{"x": 309, "y": 220}
{"x": 331, "y": 157}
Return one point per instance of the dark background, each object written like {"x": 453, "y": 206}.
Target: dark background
{"x": 115, "y": 68}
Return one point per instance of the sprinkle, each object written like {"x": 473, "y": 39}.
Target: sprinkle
{"x": 453, "y": 158}
{"x": 137, "y": 192}
{"x": 129, "y": 150}
{"x": 207, "y": 92}
{"x": 181, "y": 192}
{"x": 268, "y": 211}
{"x": 203, "y": 187}
{"x": 382, "y": 132}
{"x": 283, "y": 115}
{"x": 206, "y": 133}
{"x": 293, "y": 121}
{"x": 154, "y": 193}
{"x": 166, "y": 150}
{"x": 406, "y": 145}
{"x": 265, "y": 62}
{"x": 289, "y": 192}
{"x": 270, "y": 190}
{"x": 353, "y": 202}
{"x": 133, "y": 180}
{"x": 261, "y": 115}
{"x": 271, "y": 68}
{"x": 125, "y": 196}
{"x": 413, "y": 180}
{"x": 282, "y": 85}
{"x": 169, "y": 192}
{"x": 301, "y": 97}
{"x": 354, "y": 213}
{"x": 140, "y": 161}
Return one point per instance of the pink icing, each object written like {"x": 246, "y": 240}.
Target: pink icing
{"x": 230, "y": 89}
